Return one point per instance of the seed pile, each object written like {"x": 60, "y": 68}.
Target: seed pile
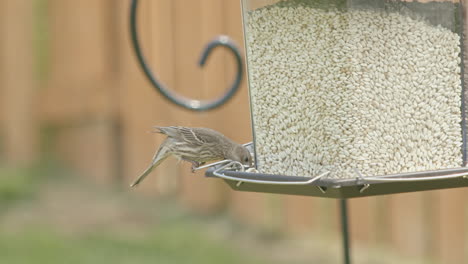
{"x": 338, "y": 91}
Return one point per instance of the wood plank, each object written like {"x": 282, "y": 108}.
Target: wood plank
{"x": 90, "y": 149}
{"x": 78, "y": 39}
{"x": 18, "y": 98}
{"x": 81, "y": 84}
{"x": 2, "y": 33}
{"x": 59, "y": 105}
{"x": 409, "y": 230}
{"x": 451, "y": 240}
{"x": 81, "y": 73}
{"x": 362, "y": 221}
{"x": 300, "y": 214}
{"x": 382, "y": 218}
{"x": 330, "y": 221}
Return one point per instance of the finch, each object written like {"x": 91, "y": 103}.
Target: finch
{"x": 196, "y": 145}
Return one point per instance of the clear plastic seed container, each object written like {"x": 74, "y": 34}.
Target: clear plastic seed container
{"x": 356, "y": 88}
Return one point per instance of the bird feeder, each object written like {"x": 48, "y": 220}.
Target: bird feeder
{"x": 354, "y": 98}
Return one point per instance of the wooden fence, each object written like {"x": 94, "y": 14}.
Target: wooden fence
{"x": 97, "y": 104}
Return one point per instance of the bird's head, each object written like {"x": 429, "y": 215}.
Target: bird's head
{"x": 241, "y": 154}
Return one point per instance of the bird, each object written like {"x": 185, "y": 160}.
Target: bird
{"x": 196, "y": 145}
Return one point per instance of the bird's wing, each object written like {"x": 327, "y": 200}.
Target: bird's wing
{"x": 195, "y": 136}
{"x": 208, "y": 135}
{"x": 172, "y": 132}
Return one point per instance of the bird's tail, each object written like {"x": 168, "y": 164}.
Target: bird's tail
{"x": 159, "y": 157}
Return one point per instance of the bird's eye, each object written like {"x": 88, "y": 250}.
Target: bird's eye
{"x": 246, "y": 159}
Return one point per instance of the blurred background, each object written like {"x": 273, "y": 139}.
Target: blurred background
{"x": 75, "y": 111}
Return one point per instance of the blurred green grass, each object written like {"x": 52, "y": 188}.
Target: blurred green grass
{"x": 16, "y": 184}
{"x": 177, "y": 244}
{"x": 19, "y": 183}
{"x": 31, "y": 233}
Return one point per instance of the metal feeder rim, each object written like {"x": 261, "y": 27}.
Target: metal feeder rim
{"x": 260, "y": 178}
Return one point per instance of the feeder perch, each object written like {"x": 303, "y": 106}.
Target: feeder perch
{"x": 353, "y": 98}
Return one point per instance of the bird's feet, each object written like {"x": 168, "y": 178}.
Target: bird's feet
{"x": 196, "y": 164}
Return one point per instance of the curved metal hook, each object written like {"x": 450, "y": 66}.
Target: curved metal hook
{"x": 191, "y": 104}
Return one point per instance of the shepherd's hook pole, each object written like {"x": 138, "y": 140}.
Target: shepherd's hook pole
{"x": 345, "y": 230}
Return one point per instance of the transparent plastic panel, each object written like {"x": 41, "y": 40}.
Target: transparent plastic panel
{"x": 373, "y": 86}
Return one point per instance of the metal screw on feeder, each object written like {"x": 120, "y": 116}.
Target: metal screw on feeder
{"x": 343, "y": 87}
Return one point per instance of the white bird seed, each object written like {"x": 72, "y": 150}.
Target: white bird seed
{"x": 368, "y": 90}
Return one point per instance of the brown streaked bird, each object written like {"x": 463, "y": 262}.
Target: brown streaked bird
{"x": 196, "y": 145}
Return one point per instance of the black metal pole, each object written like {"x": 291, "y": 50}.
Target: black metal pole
{"x": 345, "y": 230}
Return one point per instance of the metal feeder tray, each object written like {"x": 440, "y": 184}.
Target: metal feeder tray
{"x": 240, "y": 180}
